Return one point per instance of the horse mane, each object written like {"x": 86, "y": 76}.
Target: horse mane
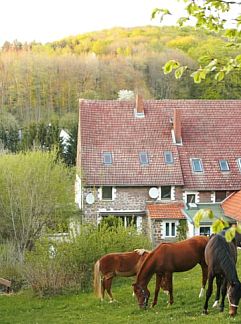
{"x": 225, "y": 255}
{"x": 141, "y": 251}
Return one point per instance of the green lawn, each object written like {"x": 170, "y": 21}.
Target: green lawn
{"x": 85, "y": 308}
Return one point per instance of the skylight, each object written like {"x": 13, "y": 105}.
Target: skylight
{"x": 143, "y": 158}
{"x": 224, "y": 165}
{"x": 239, "y": 163}
{"x": 197, "y": 165}
{"x": 168, "y": 157}
{"x": 107, "y": 158}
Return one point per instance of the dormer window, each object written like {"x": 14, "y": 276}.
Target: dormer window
{"x": 143, "y": 156}
{"x": 107, "y": 158}
{"x": 224, "y": 165}
{"x": 239, "y": 163}
{"x": 168, "y": 157}
{"x": 197, "y": 165}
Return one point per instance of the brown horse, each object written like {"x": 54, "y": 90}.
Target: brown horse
{"x": 169, "y": 258}
{"x": 125, "y": 265}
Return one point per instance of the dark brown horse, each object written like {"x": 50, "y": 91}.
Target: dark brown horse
{"x": 169, "y": 258}
{"x": 125, "y": 265}
{"x": 221, "y": 258}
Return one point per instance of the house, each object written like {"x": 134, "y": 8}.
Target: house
{"x": 143, "y": 160}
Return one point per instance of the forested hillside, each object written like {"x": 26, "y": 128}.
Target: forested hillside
{"x": 42, "y": 82}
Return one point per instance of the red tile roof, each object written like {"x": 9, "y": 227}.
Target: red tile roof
{"x": 211, "y": 131}
{"x": 166, "y": 211}
{"x": 111, "y": 126}
{"x": 232, "y": 206}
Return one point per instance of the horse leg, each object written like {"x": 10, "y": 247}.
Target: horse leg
{"x": 108, "y": 283}
{"x": 208, "y": 293}
{"x": 224, "y": 293}
{"x": 218, "y": 283}
{"x": 157, "y": 289}
{"x": 170, "y": 287}
{"x": 204, "y": 277}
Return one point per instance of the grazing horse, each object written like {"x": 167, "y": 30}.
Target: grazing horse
{"x": 221, "y": 258}
{"x": 169, "y": 258}
{"x": 125, "y": 265}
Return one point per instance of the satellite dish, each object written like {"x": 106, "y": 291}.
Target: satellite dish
{"x": 153, "y": 192}
{"x": 90, "y": 198}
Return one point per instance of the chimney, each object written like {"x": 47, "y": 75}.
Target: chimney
{"x": 177, "y": 127}
{"x": 139, "y": 108}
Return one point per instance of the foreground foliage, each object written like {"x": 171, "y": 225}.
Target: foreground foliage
{"x": 54, "y": 267}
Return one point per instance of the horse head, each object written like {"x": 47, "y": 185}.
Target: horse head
{"x": 142, "y": 295}
{"x": 234, "y": 295}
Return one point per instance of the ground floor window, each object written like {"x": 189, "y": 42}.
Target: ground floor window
{"x": 170, "y": 229}
{"x": 205, "y": 230}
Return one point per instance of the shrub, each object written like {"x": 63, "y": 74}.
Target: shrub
{"x": 71, "y": 265}
{"x": 11, "y": 266}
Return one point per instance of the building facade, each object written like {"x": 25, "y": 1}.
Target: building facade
{"x": 147, "y": 162}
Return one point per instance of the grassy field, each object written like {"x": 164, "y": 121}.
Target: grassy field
{"x": 85, "y": 308}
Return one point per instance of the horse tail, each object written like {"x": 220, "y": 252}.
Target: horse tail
{"x": 97, "y": 280}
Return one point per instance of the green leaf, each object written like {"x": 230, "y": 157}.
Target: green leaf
{"x": 217, "y": 226}
{"x": 155, "y": 12}
{"x": 238, "y": 58}
{"x": 198, "y": 217}
{"x": 219, "y": 76}
{"x": 230, "y": 234}
{"x": 170, "y": 65}
{"x": 208, "y": 213}
{"x": 179, "y": 71}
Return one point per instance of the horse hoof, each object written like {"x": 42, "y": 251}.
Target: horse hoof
{"x": 205, "y": 312}
{"x": 215, "y": 303}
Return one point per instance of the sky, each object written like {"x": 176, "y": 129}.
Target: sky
{"x": 48, "y": 20}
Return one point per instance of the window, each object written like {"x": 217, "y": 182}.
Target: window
{"x": 143, "y": 158}
{"x": 107, "y": 193}
{"x": 220, "y": 196}
{"x": 170, "y": 229}
{"x": 168, "y": 157}
{"x": 224, "y": 165}
{"x": 197, "y": 165}
{"x": 239, "y": 163}
{"x": 166, "y": 192}
{"x": 205, "y": 230}
{"x": 191, "y": 198}
{"x": 107, "y": 158}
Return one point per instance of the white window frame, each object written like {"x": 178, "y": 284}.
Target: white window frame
{"x": 227, "y": 168}
{"x": 200, "y": 164}
{"x": 196, "y": 193}
{"x": 170, "y": 222}
{"x": 146, "y": 157}
{"x": 100, "y": 194}
{"x": 206, "y": 226}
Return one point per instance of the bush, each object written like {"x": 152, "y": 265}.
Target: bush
{"x": 11, "y": 267}
{"x": 71, "y": 265}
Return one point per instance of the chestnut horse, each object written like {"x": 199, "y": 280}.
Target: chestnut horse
{"x": 169, "y": 258}
{"x": 221, "y": 258}
{"x": 125, "y": 265}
